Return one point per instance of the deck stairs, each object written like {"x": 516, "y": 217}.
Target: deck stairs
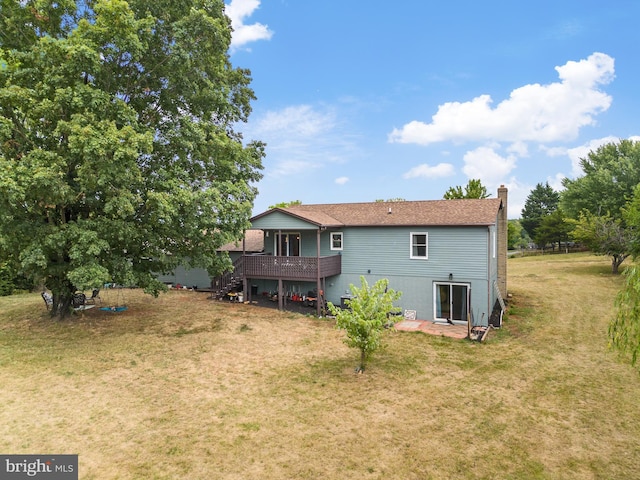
{"x": 229, "y": 281}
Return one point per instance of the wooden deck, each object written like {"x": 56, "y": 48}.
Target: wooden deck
{"x": 291, "y": 268}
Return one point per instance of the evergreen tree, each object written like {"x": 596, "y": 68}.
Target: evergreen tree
{"x": 542, "y": 201}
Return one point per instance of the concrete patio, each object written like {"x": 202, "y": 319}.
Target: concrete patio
{"x": 433, "y": 328}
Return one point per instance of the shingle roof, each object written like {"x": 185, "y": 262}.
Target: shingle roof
{"x": 254, "y": 242}
{"x": 463, "y": 212}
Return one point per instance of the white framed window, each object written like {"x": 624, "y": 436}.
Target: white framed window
{"x": 419, "y": 245}
{"x": 336, "y": 240}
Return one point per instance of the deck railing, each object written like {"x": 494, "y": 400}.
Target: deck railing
{"x": 291, "y": 268}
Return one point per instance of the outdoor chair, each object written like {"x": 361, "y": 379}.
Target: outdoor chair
{"x": 95, "y": 295}
{"x": 78, "y": 300}
{"x": 48, "y": 299}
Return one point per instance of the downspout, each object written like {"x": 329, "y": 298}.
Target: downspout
{"x": 489, "y": 286}
{"x": 502, "y": 233}
{"x": 318, "y": 289}
{"x": 278, "y": 240}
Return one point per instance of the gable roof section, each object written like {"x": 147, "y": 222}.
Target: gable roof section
{"x": 253, "y": 242}
{"x": 462, "y": 212}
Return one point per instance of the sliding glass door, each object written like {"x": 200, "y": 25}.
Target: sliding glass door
{"x": 451, "y": 302}
{"x": 288, "y": 244}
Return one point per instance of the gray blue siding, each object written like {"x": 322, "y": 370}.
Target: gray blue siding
{"x": 375, "y": 253}
{"x": 464, "y": 255}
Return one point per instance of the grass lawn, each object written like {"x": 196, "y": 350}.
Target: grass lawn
{"x": 182, "y": 387}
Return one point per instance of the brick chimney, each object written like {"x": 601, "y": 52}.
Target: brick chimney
{"x": 502, "y": 241}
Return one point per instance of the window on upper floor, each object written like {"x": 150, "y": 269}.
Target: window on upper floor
{"x": 336, "y": 240}
{"x": 419, "y": 245}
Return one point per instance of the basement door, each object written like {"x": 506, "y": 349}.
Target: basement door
{"x": 451, "y": 302}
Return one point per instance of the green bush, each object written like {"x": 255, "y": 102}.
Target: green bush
{"x": 11, "y": 282}
{"x": 6, "y": 280}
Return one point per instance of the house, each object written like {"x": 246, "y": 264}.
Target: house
{"x": 447, "y": 257}
{"x": 199, "y": 277}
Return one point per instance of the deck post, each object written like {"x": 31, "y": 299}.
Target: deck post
{"x": 318, "y": 289}
{"x": 247, "y": 294}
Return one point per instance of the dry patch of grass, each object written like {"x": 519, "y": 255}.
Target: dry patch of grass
{"x": 185, "y": 387}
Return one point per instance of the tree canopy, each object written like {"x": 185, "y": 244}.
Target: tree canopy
{"x": 554, "y": 228}
{"x": 542, "y": 201}
{"x": 604, "y": 235}
{"x": 119, "y": 155}
{"x": 611, "y": 173}
{"x": 473, "y": 189}
{"x": 286, "y": 204}
{"x": 597, "y": 200}
{"x": 517, "y": 236}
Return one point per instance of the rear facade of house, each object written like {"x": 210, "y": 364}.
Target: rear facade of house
{"x": 447, "y": 257}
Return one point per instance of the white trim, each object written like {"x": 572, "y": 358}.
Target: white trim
{"x": 494, "y": 243}
{"x": 426, "y": 246}
{"x": 277, "y": 238}
{"x": 341, "y": 235}
{"x": 468, "y": 302}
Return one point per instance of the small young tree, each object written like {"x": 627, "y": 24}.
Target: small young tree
{"x": 366, "y": 316}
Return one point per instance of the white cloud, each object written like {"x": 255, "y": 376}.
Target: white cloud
{"x": 238, "y": 11}
{"x": 555, "y": 182}
{"x": 341, "y": 180}
{"x": 541, "y": 113}
{"x": 301, "y": 139}
{"x": 487, "y": 165}
{"x": 519, "y": 149}
{"x": 576, "y": 153}
{"x": 296, "y": 121}
{"x": 293, "y": 167}
{"x": 517, "y": 196}
{"x": 427, "y": 171}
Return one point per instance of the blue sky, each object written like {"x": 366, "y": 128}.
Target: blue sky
{"x": 364, "y": 100}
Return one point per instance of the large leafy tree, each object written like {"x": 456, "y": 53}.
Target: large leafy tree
{"x": 631, "y": 217}
{"x": 367, "y": 315}
{"x": 555, "y": 228}
{"x": 542, "y": 201}
{"x": 119, "y": 155}
{"x": 624, "y": 329}
{"x": 611, "y": 173}
{"x": 598, "y": 198}
{"x": 517, "y": 237}
{"x": 473, "y": 189}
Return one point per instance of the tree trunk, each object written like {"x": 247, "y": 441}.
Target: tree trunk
{"x": 616, "y": 261}
{"x": 61, "y": 305}
{"x": 363, "y": 360}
